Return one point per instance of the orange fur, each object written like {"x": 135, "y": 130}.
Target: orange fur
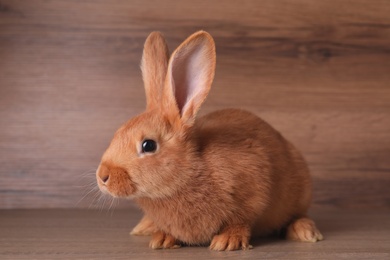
{"x": 219, "y": 179}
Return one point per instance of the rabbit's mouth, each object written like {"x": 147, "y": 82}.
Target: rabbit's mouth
{"x": 102, "y": 186}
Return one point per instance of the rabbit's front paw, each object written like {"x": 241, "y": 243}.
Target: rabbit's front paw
{"x": 161, "y": 240}
{"x": 145, "y": 227}
{"x": 232, "y": 238}
{"x": 304, "y": 229}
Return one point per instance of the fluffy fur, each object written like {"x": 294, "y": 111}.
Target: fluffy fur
{"x": 217, "y": 180}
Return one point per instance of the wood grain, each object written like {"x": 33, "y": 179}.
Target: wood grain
{"x": 319, "y": 71}
{"x": 82, "y": 234}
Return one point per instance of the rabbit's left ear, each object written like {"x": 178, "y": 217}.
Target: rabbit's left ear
{"x": 190, "y": 75}
{"x": 154, "y": 68}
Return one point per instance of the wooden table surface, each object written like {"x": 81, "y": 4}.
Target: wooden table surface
{"x": 93, "y": 234}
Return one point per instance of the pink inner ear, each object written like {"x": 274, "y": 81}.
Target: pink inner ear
{"x": 188, "y": 76}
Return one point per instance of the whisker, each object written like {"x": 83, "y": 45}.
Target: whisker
{"x": 98, "y": 194}
{"x": 84, "y": 186}
{"x": 87, "y": 183}
{"x": 111, "y": 208}
{"x": 91, "y": 189}
{"x": 87, "y": 174}
{"x": 103, "y": 198}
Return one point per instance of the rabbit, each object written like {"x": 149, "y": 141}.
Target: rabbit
{"x": 216, "y": 180}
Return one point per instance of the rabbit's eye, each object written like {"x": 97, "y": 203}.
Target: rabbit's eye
{"x": 149, "y": 146}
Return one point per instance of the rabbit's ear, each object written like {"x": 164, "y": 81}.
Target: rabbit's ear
{"x": 190, "y": 75}
{"x": 154, "y": 68}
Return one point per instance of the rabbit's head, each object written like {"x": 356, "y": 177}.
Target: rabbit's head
{"x": 152, "y": 155}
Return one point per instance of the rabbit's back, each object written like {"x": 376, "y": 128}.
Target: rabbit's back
{"x": 267, "y": 177}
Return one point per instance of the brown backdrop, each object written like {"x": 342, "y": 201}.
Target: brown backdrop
{"x": 319, "y": 71}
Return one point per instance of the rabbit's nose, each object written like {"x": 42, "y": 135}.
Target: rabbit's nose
{"x": 105, "y": 178}
{"x": 104, "y": 175}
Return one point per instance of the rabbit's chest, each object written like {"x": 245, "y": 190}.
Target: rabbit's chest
{"x": 192, "y": 224}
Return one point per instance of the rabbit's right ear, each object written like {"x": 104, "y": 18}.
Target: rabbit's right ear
{"x": 154, "y": 66}
{"x": 189, "y": 77}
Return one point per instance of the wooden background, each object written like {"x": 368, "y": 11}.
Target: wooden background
{"x": 318, "y": 71}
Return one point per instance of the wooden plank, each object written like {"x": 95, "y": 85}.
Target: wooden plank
{"x": 319, "y": 71}
{"x": 81, "y": 234}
